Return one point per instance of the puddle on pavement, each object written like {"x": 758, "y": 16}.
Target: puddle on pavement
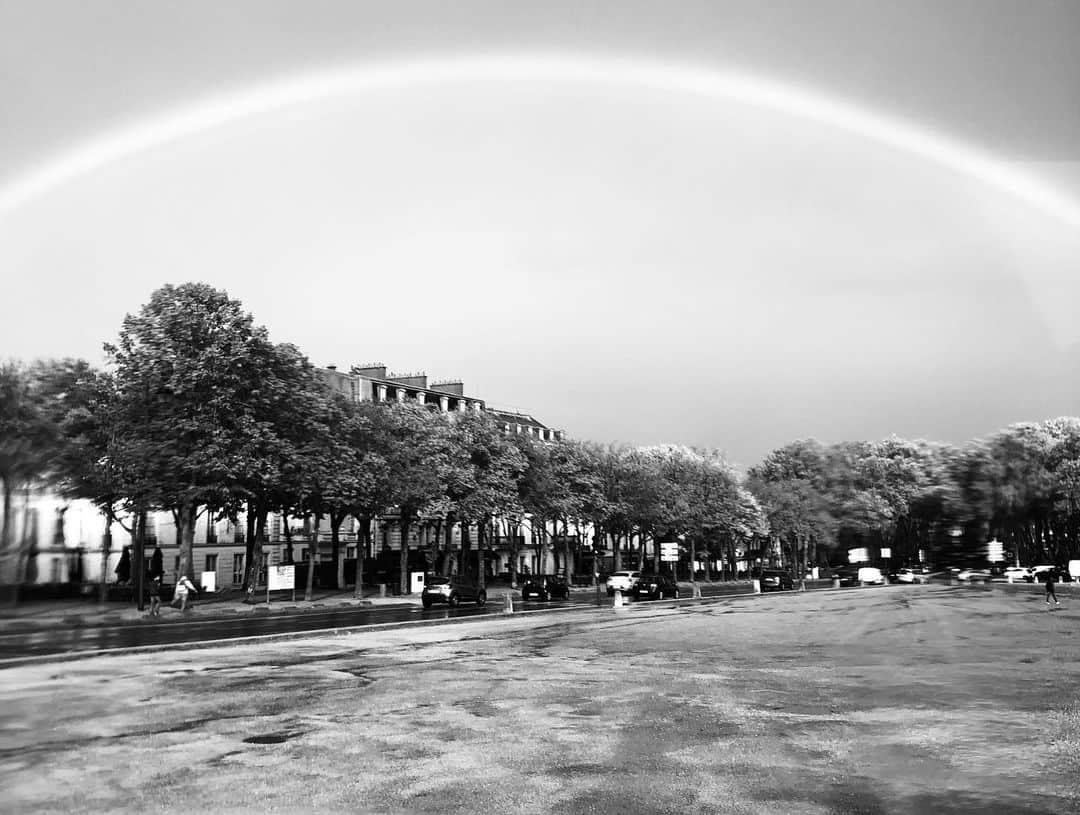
{"x": 274, "y": 738}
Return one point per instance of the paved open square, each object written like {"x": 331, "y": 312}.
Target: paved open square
{"x": 889, "y": 700}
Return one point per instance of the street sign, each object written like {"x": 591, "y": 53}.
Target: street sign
{"x": 995, "y": 551}
{"x": 858, "y": 555}
{"x": 669, "y": 546}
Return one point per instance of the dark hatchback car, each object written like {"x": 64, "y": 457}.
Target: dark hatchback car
{"x": 847, "y": 575}
{"x": 453, "y": 591}
{"x": 655, "y": 587}
{"x": 544, "y": 587}
{"x": 776, "y": 580}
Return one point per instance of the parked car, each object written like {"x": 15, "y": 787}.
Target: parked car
{"x": 655, "y": 587}
{"x": 871, "y": 576}
{"x": 623, "y": 581}
{"x": 1038, "y": 573}
{"x": 545, "y": 586}
{"x": 776, "y": 580}
{"x": 847, "y": 575}
{"x": 453, "y": 591}
{"x": 1018, "y": 573}
{"x": 859, "y": 575}
{"x": 974, "y": 576}
{"x": 910, "y": 575}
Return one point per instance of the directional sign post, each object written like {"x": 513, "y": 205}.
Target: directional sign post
{"x": 669, "y": 551}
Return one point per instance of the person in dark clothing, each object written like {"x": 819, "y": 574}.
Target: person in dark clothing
{"x": 1051, "y": 578}
{"x": 155, "y": 597}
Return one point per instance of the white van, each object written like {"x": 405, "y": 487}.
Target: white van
{"x": 871, "y": 576}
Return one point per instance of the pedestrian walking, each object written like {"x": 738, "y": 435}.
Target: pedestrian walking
{"x": 155, "y": 597}
{"x": 183, "y": 588}
{"x": 1051, "y": 578}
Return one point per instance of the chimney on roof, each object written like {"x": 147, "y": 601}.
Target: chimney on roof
{"x": 454, "y": 386}
{"x": 410, "y": 380}
{"x": 375, "y": 371}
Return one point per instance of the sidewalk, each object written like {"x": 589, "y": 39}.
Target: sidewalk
{"x": 42, "y": 615}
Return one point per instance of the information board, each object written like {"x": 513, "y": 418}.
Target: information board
{"x": 281, "y": 578}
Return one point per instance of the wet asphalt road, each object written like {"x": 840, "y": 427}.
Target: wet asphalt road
{"x": 78, "y": 639}
{"x": 142, "y": 634}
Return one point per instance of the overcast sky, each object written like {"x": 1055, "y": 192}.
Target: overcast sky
{"x": 720, "y": 223}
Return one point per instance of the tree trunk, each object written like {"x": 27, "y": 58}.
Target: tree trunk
{"x": 313, "y": 552}
{"x": 21, "y": 549}
{"x": 466, "y": 549}
{"x": 512, "y": 530}
{"x": 404, "y": 522}
{"x": 481, "y": 552}
{"x": 185, "y": 531}
{"x": 261, "y": 539}
{"x": 448, "y": 545}
{"x": 249, "y": 549}
{"x": 336, "y": 519}
{"x": 5, "y": 528}
{"x": 568, "y": 563}
{"x": 106, "y": 545}
{"x": 290, "y": 556}
{"x": 139, "y": 560}
{"x": 254, "y": 548}
{"x": 541, "y": 566}
{"x": 361, "y": 552}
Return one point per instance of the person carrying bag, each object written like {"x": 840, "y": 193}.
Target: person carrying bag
{"x": 184, "y": 587}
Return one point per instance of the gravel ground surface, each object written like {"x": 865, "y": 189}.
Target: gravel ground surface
{"x": 923, "y": 699}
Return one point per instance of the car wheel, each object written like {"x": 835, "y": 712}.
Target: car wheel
{"x": 426, "y": 602}
{"x": 611, "y": 592}
{"x": 453, "y": 600}
{"x": 481, "y": 598}
{"x": 542, "y": 597}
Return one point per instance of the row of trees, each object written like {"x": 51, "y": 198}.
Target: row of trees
{"x": 1020, "y": 485}
{"x": 198, "y": 411}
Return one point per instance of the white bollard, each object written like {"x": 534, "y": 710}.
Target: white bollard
{"x": 618, "y": 599}
{"x": 1010, "y": 577}
{"x": 757, "y": 586}
{"x": 508, "y": 603}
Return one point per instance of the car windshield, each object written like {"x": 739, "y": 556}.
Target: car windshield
{"x": 437, "y": 581}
